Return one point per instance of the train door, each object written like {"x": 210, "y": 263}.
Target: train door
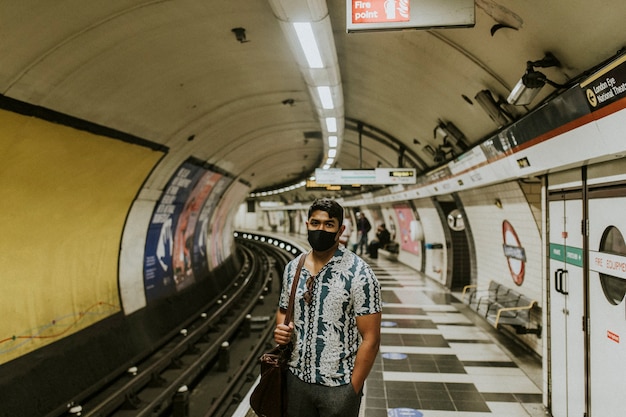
{"x": 567, "y": 292}
{"x": 607, "y": 307}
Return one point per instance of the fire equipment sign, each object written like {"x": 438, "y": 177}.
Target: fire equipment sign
{"x": 368, "y": 15}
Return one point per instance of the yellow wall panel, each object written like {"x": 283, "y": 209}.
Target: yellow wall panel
{"x": 65, "y": 197}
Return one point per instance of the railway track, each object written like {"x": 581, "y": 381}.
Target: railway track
{"x": 206, "y": 367}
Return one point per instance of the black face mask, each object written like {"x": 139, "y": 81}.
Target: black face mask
{"x": 321, "y": 240}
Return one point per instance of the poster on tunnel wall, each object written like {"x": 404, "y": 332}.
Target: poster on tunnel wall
{"x": 405, "y": 217}
{"x": 221, "y": 230}
{"x": 205, "y": 246}
{"x": 172, "y": 239}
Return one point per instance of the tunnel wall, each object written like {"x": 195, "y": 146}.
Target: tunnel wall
{"x": 46, "y": 379}
{"x": 66, "y": 194}
{"x": 68, "y": 187}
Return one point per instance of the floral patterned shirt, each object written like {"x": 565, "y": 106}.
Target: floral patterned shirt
{"x": 326, "y": 337}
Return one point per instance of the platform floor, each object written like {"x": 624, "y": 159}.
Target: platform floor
{"x": 439, "y": 359}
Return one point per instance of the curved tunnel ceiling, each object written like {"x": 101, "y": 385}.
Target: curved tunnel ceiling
{"x": 174, "y": 73}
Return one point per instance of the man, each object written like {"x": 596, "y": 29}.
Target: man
{"x": 336, "y": 322}
{"x": 363, "y": 228}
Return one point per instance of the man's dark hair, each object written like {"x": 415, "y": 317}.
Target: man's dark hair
{"x": 331, "y": 207}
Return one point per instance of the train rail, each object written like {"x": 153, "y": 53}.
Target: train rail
{"x": 207, "y": 366}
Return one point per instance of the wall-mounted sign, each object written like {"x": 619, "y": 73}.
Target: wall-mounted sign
{"x": 378, "y": 176}
{"x": 514, "y": 252}
{"x": 610, "y": 263}
{"x": 607, "y": 85}
{"x": 371, "y": 15}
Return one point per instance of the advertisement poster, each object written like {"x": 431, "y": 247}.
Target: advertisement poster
{"x": 172, "y": 236}
{"x": 221, "y": 231}
{"x": 203, "y": 237}
{"x": 405, "y": 218}
{"x": 188, "y": 238}
{"x": 209, "y": 215}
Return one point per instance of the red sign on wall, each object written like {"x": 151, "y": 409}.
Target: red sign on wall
{"x": 514, "y": 252}
{"x": 612, "y": 336}
{"x": 380, "y": 11}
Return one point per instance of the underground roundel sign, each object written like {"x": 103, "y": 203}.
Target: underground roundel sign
{"x": 514, "y": 252}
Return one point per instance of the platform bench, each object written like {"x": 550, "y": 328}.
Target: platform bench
{"x": 481, "y": 299}
{"x": 500, "y": 305}
{"x": 390, "y": 251}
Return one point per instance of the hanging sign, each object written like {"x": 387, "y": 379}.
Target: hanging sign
{"x": 367, "y": 15}
{"x": 378, "y": 176}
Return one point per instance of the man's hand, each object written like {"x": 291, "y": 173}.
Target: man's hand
{"x": 282, "y": 333}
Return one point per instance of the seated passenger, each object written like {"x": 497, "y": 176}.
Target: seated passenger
{"x": 383, "y": 237}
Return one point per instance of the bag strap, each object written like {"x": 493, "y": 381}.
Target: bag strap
{"x": 294, "y": 285}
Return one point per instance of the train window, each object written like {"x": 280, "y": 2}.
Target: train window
{"x": 613, "y": 243}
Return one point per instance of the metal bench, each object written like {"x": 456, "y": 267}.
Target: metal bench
{"x": 481, "y": 299}
{"x": 500, "y": 305}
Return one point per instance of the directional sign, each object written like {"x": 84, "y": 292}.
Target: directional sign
{"x": 378, "y": 176}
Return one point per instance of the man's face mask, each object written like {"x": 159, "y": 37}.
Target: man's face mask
{"x": 321, "y": 240}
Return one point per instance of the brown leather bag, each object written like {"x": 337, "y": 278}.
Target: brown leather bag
{"x": 269, "y": 398}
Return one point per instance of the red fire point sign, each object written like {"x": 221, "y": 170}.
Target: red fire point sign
{"x": 380, "y": 11}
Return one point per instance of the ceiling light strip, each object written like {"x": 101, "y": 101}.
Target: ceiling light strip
{"x": 304, "y": 31}
{"x": 306, "y": 25}
{"x": 326, "y": 97}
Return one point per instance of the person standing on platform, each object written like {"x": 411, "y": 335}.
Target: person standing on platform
{"x": 336, "y": 321}
{"x": 363, "y": 227}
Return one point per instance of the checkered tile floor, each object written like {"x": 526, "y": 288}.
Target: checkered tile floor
{"x": 435, "y": 361}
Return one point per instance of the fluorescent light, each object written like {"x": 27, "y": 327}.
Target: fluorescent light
{"x": 522, "y": 95}
{"x": 329, "y": 161}
{"x": 304, "y": 31}
{"x": 326, "y": 166}
{"x": 332, "y": 153}
{"x": 331, "y": 124}
{"x": 326, "y": 97}
{"x": 307, "y": 25}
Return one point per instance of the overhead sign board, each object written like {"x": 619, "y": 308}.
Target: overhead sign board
{"x": 368, "y": 15}
{"x": 378, "y": 176}
{"x": 312, "y": 185}
{"x": 607, "y": 85}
